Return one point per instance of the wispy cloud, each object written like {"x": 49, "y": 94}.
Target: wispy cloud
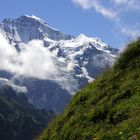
{"x": 95, "y": 4}
{"x": 86, "y": 4}
{"x": 129, "y": 4}
{"x": 114, "y": 11}
{"x": 130, "y": 31}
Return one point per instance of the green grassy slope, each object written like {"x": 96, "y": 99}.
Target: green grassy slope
{"x": 107, "y": 109}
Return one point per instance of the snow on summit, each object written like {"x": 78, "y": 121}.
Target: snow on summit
{"x": 40, "y": 20}
{"x": 34, "y": 17}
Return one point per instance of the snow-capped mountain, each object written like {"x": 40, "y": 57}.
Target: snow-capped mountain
{"x": 26, "y": 28}
{"x": 76, "y": 60}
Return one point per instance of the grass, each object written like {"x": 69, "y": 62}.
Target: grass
{"x": 107, "y": 109}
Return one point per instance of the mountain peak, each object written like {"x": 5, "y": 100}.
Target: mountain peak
{"x": 24, "y": 18}
{"x": 82, "y": 36}
{"x": 36, "y": 19}
{"x": 33, "y": 17}
{"x": 83, "y": 39}
{"x": 26, "y": 28}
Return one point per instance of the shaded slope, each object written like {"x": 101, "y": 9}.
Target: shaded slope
{"x": 18, "y": 119}
{"x": 107, "y": 109}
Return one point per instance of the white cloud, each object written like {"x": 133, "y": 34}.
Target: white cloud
{"x": 120, "y": 1}
{"x": 95, "y": 4}
{"x": 129, "y": 4}
{"x": 34, "y": 60}
{"x": 6, "y": 53}
{"x": 86, "y": 4}
{"x": 114, "y": 11}
{"x": 130, "y": 31}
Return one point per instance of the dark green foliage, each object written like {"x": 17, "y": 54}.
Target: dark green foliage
{"x": 107, "y": 109}
{"x": 18, "y": 119}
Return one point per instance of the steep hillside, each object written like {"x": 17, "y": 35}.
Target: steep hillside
{"x": 18, "y": 119}
{"x": 107, "y": 109}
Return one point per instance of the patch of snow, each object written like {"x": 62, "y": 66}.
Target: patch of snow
{"x": 90, "y": 79}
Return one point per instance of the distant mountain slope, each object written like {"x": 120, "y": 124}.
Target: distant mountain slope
{"x": 107, "y": 109}
{"x": 19, "y": 120}
{"x": 76, "y": 61}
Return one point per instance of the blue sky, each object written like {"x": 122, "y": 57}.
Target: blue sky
{"x": 116, "y": 22}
